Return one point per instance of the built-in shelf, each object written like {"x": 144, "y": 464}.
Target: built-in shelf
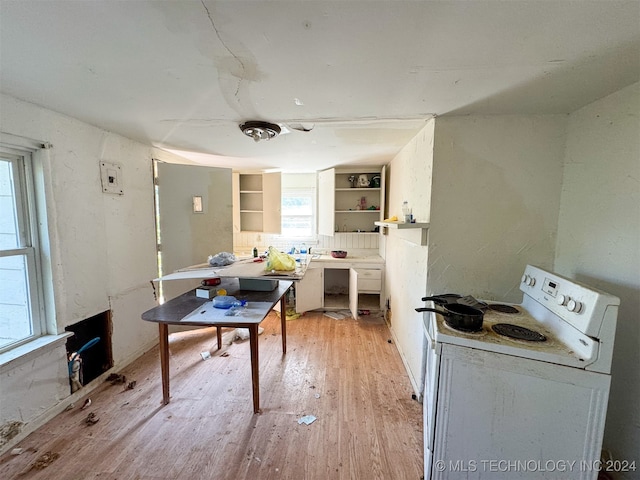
{"x": 256, "y": 202}
{"x": 355, "y": 189}
{"x": 359, "y": 211}
{"x": 344, "y": 207}
{"x": 412, "y": 232}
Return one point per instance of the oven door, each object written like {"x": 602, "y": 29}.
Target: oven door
{"x": 430, "y": 396}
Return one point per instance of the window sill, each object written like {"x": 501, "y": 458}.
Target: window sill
{"x": 30, "y": 350}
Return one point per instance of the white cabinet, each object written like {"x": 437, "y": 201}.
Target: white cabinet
{"x": 345, "y": 207}
{"x": 338, "y": 286}
{"x": 256, "y": 202}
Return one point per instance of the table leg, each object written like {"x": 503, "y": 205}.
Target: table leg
{"x": 219, "y": 336}
{"x": 255, "y": 382}
{"x": 164, "y": 361}
{"x": 283, "y": 321}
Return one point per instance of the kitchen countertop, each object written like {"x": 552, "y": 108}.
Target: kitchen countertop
{"x": 350, "y": 259}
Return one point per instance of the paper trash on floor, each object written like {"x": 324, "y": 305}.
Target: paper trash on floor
{"x": 307, "y": 420}
{"x": 338, "y": 315}
{"x": 243, "y": 333}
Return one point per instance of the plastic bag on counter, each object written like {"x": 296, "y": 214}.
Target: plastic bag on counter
{"x": 221, "y": 259}
{"x": 280, "y": 262}
{"x": 227, "y": 301}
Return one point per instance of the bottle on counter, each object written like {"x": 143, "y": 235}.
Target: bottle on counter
{"x": 255, "y": 252}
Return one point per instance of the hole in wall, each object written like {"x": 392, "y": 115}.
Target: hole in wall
{"x": 89, "y": 351}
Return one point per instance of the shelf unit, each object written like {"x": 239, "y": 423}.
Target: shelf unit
{"x": 341, "y": 204}
{"x": 256, "y": 205}
{"x": 412, "y": 232}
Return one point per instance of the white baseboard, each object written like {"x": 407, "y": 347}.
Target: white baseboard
{"x": 417, "y": 389}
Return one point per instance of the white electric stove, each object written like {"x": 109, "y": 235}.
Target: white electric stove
{"x": 527, "y": 407}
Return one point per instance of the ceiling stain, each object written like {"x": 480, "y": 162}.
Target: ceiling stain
{"x": 235, "y": 71}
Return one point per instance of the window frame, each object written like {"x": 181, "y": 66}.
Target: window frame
{"x": 25, "y": 198}
{"x": 310, "y": 192}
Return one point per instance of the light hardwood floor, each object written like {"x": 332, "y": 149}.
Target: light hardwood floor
{"x": 344, "y": 372}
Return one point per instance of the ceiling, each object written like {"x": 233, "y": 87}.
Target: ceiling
{"x": 362, "y": 76}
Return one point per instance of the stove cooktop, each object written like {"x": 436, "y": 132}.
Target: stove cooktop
{"x": 578, "y": 322}
{"x": 551, "y": 349}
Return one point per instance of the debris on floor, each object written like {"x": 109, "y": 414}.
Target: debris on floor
{"x": 43, "y": 461}
{"x": 307, "y": 420}
{"x": 17, "y": 451}
{"x": 9, "y": 430}
{"x": 205, "y": 355}
{"x": 131, "y": 385}
{"x": 291, "y": 314}
{"x": 243, "y": 333}
{"x": 115, "y": 378}
{"x": 338, "y": 315}
{"x": 91, "y": 419}
{"x": 87, "y": 404}
{"x": 224, "y": 354}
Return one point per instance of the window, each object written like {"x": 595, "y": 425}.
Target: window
{"x": 298, "y": 205}
{"x": 21, "y": 306}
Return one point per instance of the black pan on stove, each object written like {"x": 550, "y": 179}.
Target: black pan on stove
{"x": 443, "y": 299}
{"x": 459, "y": 316}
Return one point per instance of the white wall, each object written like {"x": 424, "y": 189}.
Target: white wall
{"x": 101, "y": 247}
{"x": 490, "y": 188}
{"x": 408, "y": 178}
{"x": 494, "y": 202}
{"x": 599, "y": 240}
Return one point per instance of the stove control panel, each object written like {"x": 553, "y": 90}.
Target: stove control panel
{"x": 583, "y": 307}
{"x": 551, "y": 287}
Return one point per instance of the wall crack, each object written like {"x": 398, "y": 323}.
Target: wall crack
{"x": 224, "y": 44}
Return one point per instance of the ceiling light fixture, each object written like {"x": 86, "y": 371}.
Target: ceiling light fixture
{"x": 260, "y": 130}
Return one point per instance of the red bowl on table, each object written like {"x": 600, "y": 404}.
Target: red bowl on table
{"x": 338, "y": 253}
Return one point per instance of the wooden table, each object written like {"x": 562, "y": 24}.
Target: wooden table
{"x": 187, "y": 309}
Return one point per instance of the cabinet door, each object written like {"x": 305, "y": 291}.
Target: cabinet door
{"x": 353, "y": 292}
{"x": 176, "y": 186}
{"x": 271, "y": 202}
{"x": 235, "y": 188}
{"x": 310, "y": 290}
{"x": 326, "y": 201}
{"x": 383, "y": 197}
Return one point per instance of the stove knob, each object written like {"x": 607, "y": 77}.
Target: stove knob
{"x": 563, "y": 299}
{"x": 527, "y": 280}
{"x": 574, "y": 306}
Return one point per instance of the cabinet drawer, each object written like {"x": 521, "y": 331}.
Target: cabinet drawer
{"x": 367, "y": 274}
{"x": 366, "y": 284}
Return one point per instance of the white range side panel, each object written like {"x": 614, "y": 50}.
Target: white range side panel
{"x": 493, "y": 407}
{"x": 430, "y": 394}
